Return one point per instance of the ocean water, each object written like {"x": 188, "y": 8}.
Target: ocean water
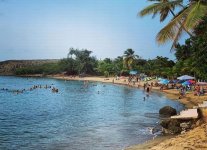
{"x": 79, "y": 117}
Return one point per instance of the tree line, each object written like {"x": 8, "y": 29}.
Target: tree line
{"x": 190, "y": 59}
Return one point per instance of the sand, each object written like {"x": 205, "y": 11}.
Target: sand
{"x": 196, "y": 139}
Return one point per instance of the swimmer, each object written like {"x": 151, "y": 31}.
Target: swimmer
{"x": 144, "y": 98}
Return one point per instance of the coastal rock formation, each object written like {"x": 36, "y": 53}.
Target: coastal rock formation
{"x": 9, "y": 67}
{"x": 177, "y": 126}
{"x": 167, "y": 111}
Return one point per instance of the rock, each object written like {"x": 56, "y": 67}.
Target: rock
{"x": 174, "y": 127}
{"x": 165, "y": 123}
{"x": 171, "y": 126}
{"x": 167, "y": 111}
{"x": 185, "y": 125}
{"x": 183, "y": 132}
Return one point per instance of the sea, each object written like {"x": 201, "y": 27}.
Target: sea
{"x": 80, "y": 116}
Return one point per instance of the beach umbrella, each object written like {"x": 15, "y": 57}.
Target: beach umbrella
{"x": 164, "y": 81}
{"x": 201, "y": 83}
{"x": 185, "y": 77}
{"x": 173, "y": 81}
{"x": 181, "y": 81}
{"x": 133, "y": 72}
{"x": 191, "y": 81}
{"x": 186, "y": 83}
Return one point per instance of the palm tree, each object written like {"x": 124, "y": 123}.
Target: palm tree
{"x": 129, "y": 58}
{"x": 189, "y": 17}
{"x": 186, "y": 19}
{"x": 163, "y": 7}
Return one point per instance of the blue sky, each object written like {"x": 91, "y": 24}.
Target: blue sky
{"x": 39, "y": 29}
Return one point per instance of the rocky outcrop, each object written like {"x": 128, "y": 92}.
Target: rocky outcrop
{"x": 167, "y": 111}
{"x": 177, "y": 126}
{"x": 9, "y": 67}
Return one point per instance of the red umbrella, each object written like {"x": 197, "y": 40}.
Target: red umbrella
{"x": 191, "y": 81}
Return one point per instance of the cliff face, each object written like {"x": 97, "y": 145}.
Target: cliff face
{"x": 8, "y": 67}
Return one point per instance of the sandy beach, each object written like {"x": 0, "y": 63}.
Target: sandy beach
{"x": 195, "y": 139}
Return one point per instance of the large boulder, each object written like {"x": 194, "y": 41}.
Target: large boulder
{"x": 167, "y": 111}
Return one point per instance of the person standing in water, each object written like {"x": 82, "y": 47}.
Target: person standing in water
{"x": 148, "y": 89}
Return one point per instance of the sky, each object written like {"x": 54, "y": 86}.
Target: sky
{"x": 46, "y": 29}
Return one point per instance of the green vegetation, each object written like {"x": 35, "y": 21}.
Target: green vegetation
{"x": 192, "y": 56}
{"x": 47, "y": 68}
{"x": 80, "y": 62}
{"x": 191, "y": 59}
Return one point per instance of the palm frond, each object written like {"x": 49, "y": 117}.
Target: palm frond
{"x": 162, "y": 7}
{"x": 195, "y": 16}
{"x": 170, "y": 31}
{"x": 151, "y": 9}
{"x": 177, "y": 37}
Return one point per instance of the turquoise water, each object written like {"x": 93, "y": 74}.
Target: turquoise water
{"x": 94, "y": 117}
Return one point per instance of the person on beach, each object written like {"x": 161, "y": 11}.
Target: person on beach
{"x": 161, "y": 88}
{"x": 144, "y": 86}
{"x": 181, "y": 93}
{"x": 152, "y": 84}
{"x": 198, "y": 90}
{"x": 133, "y": 81}
{"x": 137, "y": 78}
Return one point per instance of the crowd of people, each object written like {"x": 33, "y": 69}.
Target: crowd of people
{"x": 196, "y": 89}
{"x": 19, "y": 91}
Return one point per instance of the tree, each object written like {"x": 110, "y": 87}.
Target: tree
{"x": 82, "y": 62}
{"x": 183, "y": 51}
{"x": 105, "y": 67}
{"x": 163, "y": 7}
{"x": 192, "y": 56}
{"x": 186, "y": 19}
{"x": 129, "y": 58}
